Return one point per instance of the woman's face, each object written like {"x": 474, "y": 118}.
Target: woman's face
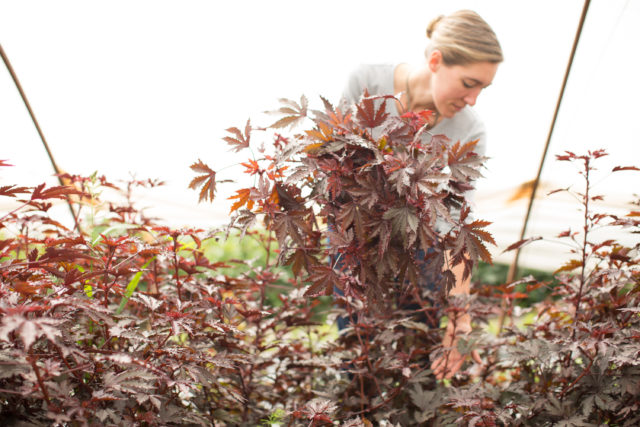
{"x": 453, "y": 87}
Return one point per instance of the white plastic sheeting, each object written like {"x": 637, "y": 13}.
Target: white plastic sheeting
{"x": 148, "y": 87}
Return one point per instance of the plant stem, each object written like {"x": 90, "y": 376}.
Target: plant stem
{"x": 14, "y": 211}
{"x": 32, "y": 360}
{"x": 176, "y": 265}
{"x": 584, "y": 245}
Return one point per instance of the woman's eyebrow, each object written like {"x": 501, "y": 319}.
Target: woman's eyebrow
{"x": 476, "y": 81}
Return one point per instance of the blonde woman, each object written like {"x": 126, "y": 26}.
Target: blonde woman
{"x": 462, "y": 58}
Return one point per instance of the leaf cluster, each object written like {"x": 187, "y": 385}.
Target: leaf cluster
{"x": 575, "y": 362}
{"x": 369, "y": 208}
{"x": 366, "y": 188}
{"x": 126, "y": 321}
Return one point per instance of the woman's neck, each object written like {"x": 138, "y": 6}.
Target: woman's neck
{"x": 414, "y": 82}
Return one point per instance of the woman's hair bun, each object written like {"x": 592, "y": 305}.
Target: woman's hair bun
{"x": 432, "y": 25}
{"x": 463, "y": 37}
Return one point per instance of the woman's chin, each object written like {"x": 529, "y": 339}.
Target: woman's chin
{"x": 452, "y": 111}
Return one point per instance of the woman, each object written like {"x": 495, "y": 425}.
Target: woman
{"x": 461, "y": 59}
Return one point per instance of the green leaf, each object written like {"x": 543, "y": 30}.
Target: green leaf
{"x": 131, "y": 287}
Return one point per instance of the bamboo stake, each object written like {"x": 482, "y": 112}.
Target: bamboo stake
{"x": 513, "y": 268}
{"x": 7, "y": 63}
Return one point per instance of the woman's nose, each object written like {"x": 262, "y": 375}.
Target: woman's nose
{"x": 470, "y": 98}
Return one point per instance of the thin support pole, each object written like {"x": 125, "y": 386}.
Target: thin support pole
{"x": 7, "y": 63}
{"x": 513, "y": 268}
{"x": 536, "y": 182}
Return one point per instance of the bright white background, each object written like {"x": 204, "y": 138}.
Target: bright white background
{"x": 148, "y": 87}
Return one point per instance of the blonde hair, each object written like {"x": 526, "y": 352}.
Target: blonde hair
{"x": 463, "y": 38}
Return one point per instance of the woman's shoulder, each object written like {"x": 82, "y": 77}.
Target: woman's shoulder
{"x": 373, "y": 70}
{"x": 376, "y": 78}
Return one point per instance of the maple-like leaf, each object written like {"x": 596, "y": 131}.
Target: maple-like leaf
{"x": 418, "y": 120}
{"x": 131, "y": 380}
{"x": 207, "y": 181}
{"x": 301, "y": 173}
{"x": 323, "y": 280}
{"x": 239, "y": 140}
{"x": 287, "y": 197}
{"x": 252, "y": 167}
{"x": 464, "y": 162}
{"x": 569, "y": 266}
{"x": 472, "y": 237}
{"x": 29, "y": 329}
{"x": 334, "y": 116}
{"x": 323, "y": 133}
{"x": 12, "y": 190}
{"x": 78, "y": 240}
{"x": 293, "y": 226}
{"x": 426, "y": 400}
{"x": 245, "y": 219}
{"x": 318, "y": 410}
{"x": 427, "y": 235}
{"x": 357, "y": 422}
{"x": 300, "y": 259}
{"x": 243, "y": 196}
{"x": 295, "y": 112}
{"x": 367, "y": 114}
{"x": 404, "y": 221}
{"x": 57, "y": 192}
{"x": 366, "y": 190}
{"x": 339, "y": 239}
{"x": 350, "y": 214}
{"x": 566, "y": 157}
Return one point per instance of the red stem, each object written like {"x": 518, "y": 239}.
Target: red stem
{"x": 32, "y": 360}
{"x": 584, "y": 247}
{"x": 176, "y": 265}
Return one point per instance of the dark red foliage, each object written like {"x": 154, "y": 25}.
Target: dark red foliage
{"x": 125, "y": 321}
{"x": 138, "y": 327}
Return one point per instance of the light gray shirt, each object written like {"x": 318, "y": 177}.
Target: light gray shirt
{"x": 464, "y": 126}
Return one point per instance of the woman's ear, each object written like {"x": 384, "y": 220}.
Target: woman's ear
{"x": 434, "y": 60}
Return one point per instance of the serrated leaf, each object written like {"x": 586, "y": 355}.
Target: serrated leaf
{"x": 472, "y": 237}
{"x": 288, "y": 121}
{"x": 323, "y": 280}
{"x": 403, "y": 220}
{"x": 207, "y": 181}
{"x": 28, "y": 330}
{"x": 300, "y": 259}
{"x": 57, "y": 192}
{"x": 351, "y": 214}
{"x": 243, "y": 195}
{"x": 295, "y": 113}
{"x": 367, "y": 114}
{"x": 569, "y": 266}
{"x": 239, "y": 141}
{"x": 12, "y": 190}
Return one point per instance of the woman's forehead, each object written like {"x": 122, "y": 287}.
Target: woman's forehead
{"x": 480, "y": 72}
